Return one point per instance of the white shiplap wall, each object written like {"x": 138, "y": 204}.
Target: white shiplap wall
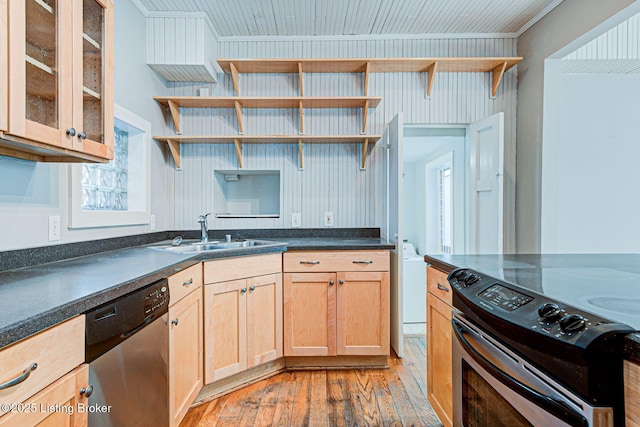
{"x": 615, "y": 52}
{"x": 332, "y": 180}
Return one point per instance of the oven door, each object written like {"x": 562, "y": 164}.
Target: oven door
{"x": 493, "y": 386}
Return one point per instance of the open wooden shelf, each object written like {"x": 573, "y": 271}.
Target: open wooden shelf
{"x": 496, "y": 65}
{"x": 175, "y": 142}
{"x": 239, "y": 102}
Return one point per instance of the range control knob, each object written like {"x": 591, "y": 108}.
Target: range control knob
{"x": 471, "y": 279}
{"x": 549, "y": 312}
{"x": 572, "y": 323}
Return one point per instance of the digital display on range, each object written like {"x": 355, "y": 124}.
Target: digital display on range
{"x": 505, "y": 298}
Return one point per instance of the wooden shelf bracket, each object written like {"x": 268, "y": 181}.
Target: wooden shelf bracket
{"x": 431, "y": 77}
{"x": 365, "y": 147}
{"x": 366, "y": 78}
{"x": 300, "y": 155}
{"x": 238, "y": 145}
{"x": 301, "y": 107}
{"x": 365, "y": 113}
{"x": 496, "y": 77}
{"x": 235, "y": 78}
{"x": 174, "y": 147}
{"x": 175, "y": 114}
{"x": 239, "y": 114}
{"x": 300, "y": 78}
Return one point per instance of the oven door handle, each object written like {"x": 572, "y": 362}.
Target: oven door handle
{"x": 554, "y": 406}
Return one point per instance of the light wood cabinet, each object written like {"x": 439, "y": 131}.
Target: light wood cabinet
{"x": 332, "y": 312}
{"x": 47, "y": 378}
{"x": 243, "y": 314}
{"x": 186, "y": 355}
{"x": 4, "y": 67}
{"x": 39, "y": 360}
{"x": 439, "y": 350}
{"x": 632, "y": 393}
{"x": 60, "y": 67}
{"x": 56, "y": 405}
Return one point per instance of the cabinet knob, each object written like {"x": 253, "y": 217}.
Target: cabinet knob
{"x": 443, "y": 288}
{"x": 341, "y": 281}
{"x": 175, "y": 322}
{"x": 252, "y": 288}
{"x": 188, "y": 282}
{"x": 87, "y": 391}
{"x": 82, "y": 135}
{"x": 71, "y": 132}
{"x": 243, "y": 290}
{"x": 331, "y": 282}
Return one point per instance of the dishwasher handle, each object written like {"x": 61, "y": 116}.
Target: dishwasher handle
{"x": 141, "y": 326}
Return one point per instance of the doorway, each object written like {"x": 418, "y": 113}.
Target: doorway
{"x": 450, "y": 200}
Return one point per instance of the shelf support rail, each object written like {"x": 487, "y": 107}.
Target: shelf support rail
{"x": 301, "y": 107}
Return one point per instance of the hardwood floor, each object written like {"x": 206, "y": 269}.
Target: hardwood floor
{"x": 357, "y": 397}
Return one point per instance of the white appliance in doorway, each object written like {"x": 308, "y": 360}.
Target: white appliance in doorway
{"x": 414, "y": 280}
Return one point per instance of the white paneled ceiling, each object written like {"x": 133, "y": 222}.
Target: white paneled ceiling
{"x": 360, "y": 17}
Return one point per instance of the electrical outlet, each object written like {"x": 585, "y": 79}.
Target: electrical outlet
{"x": 328, "y": 219}
{"x": 152, "y": 223}
{"x": 54, "y": 228}
{"x": 296, "y": 219}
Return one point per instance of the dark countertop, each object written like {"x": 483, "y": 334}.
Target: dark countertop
{"x": 614, "y": 273}
{"x": 39, "y": 296}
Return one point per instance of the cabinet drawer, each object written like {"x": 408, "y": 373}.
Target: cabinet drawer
{"x": 310, "y": 261}
{"x": 183, "y": 282}
{"x": 438, "y": 285}
{"x": 228, "y": 269}
{"x": 56, "y": 351}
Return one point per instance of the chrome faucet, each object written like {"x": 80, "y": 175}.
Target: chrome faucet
{"x": 204, "y": 231}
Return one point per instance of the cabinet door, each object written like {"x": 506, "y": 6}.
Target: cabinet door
{"x": 56, "y": 405}
{"x": 632, "y": 393}
{"x": 185, "y": 354}
{"x": 309, "y": 314}
{"x": 225, "y": 315}
{"x": 93, "y": 77}
{"x": 439, "y": 354}
{"x": 264, "y": 319}
{"x": 363, "y": 313}
{"x": 40, "y": 70}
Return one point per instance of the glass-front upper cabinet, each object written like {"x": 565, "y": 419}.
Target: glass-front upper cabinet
{"x": 60, "y": 74}
{"x": 93, "y": 92}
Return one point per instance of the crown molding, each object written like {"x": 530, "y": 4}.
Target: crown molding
{"x": 538, "y": 17}
{"x": 141, "y": 7}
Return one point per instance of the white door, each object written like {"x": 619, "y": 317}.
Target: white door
{"x": 486, "y": 204}
{"x": 394, "y": 232}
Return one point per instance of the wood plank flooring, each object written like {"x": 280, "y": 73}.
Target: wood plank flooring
{"x": 356, "y": 397}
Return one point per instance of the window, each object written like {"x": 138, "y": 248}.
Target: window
{"x": 116, "y": 193}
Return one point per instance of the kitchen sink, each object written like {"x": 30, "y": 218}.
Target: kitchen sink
{"x": 217, "y": 246}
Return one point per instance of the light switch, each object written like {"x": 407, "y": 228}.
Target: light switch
{"x": 328, "y": 219}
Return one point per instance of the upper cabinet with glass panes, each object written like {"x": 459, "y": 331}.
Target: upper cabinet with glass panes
{"x": 60, "y": 66}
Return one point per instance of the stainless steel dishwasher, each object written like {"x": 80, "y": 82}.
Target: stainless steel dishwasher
{"x": 127, "y": 346}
